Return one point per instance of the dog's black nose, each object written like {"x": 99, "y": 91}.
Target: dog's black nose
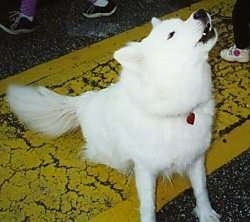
{"x": 200, "y": 14}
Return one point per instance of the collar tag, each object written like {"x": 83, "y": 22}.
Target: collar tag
{"x": 190, "y": 118}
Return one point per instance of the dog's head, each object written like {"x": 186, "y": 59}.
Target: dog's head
{"x": 171, "y": 62}
{"x": 172, "y": 40}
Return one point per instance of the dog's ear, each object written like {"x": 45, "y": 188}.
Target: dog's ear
{"x": 129, "y": 56}
{"x": 155, "y": 21}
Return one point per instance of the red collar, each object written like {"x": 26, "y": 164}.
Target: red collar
{"x": 190, "y": 118}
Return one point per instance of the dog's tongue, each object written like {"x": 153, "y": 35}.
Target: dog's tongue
{"x": 190, "y": 118}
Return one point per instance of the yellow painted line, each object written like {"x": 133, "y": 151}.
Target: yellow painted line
{"x": 43, "y": 179}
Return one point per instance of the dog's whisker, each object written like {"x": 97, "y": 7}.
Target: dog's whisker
{"x": 210, "y": 21}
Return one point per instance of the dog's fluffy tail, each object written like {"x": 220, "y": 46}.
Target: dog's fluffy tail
{"x": 43, "y": 110}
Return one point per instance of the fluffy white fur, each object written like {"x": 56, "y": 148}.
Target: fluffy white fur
{"x": 141, "y": 120}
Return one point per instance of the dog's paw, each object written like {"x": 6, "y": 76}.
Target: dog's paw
{"x": 207, "y": 215}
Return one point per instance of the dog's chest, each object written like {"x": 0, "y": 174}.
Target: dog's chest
{"x": 170, "y": 142}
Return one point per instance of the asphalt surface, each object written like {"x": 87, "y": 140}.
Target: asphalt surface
{"x": 61, "y": 29}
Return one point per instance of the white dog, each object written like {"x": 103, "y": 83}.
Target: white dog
{"x": 157, "y": 117}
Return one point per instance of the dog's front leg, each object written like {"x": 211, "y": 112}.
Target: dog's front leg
{"x": 203, "y": 208}
{"x": 145, "y": 183}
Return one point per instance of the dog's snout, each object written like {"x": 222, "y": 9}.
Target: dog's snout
{"x": 200, "y": 14}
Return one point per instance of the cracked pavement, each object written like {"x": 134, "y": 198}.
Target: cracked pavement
{"x": 43, "y": 179}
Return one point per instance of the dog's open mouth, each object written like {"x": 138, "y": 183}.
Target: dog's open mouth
{"x": 208, "y": 33}
{"x": 205, "y": 19}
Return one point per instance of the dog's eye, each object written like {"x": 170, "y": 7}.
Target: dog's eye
{"x": 170, "y": 35}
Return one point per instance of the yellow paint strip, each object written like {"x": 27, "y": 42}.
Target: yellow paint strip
{"x": 44, "y": 179}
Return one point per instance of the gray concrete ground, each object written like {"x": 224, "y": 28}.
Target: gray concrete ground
{"x": 62, "y": 29}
